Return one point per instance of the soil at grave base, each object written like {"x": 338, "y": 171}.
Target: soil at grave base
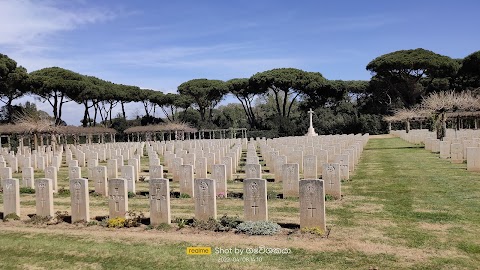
{"x": 349, "y": 241}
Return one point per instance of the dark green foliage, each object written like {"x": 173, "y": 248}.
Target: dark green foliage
{"x": 206, "y": 94}
{"x": 245, "y": 93}
{"x": 469, "y": 73}
{"x": 27, "y": 190}
{"x": 92, "y": 223}
{"x": 184, "y": 196}
{"x": 399, "y": 74}
{"x": 134, "y": 219}
{"x": 181, "y": 223}
{"x": 63, "y": 192}
{"x": 329, "y": 197}
{"x": 272, "y": 195}
{"x": 286, "y": 85}
{"x": 273, "y": 103}
{"x": 224, "y": 224}
{"x": 11, "y": 216}
{"x": 57, "y": 86}
{"x": 229, "y": 222}
{"x": 38, "y": 220}
{"x": 13, "y": 84}
{"x": 61, "y": 216}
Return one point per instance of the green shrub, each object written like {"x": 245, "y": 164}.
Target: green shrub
{"x": 11, "y": 216}
{"x": 61, "y": 216}
{"x": 209, "y": 225}
{"x": 27, "y": 190}
{"x": 92, "y": 223}
{"x": 131, "y": 194}
{"x": 271, "y": 195}
{"x": 180, "y": 223}
{"x": 38, "y": 220}
{"x": 258, "y": 227}
{"x": 104, "y": 222}
{"x": 63, "y": 192}
{"x": 229, "y": 222}
{"x": 329, "y": 197}
{"x": 134, "y": 219}
{"x": 95, "y": 194}
{"x": 163, "y": 227}
{"x": 184, "y": 196}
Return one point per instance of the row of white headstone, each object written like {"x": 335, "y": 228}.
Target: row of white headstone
{"x": 457, "y": 146}
{"x": 311, "y": 212}
{"x": 190, "y": 159}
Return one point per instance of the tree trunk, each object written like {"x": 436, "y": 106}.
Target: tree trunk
{"x": 55, "y": 112}
{"x": 9, "y": 110}
{"x": 85, "y": 115}
{"x": 277, "y": 102}
{"x": 95, "y": 115}
{"x": 60, "y": 111}
{"x": 285, "y": 99}
{"x": 123, "y": 110}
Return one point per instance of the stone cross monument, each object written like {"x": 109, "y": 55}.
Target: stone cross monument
{"x": 311, "y": 130}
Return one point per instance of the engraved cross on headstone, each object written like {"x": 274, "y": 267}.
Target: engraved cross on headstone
{"x": 185, "y": 180}
{"x": 158, "y": 198}
{"x": 310, "y": 191}
{"x": 254, "y": 207}
{"x": 42, "y": 199}
{"x": 77, "y": 186}
{"x": 290, "y": 177}
{"x": 254, "y": 188}
{"x": 204, "y": 192}
{"x": 117, "y": 204}
{"x": 331, "y": 183}
{"x": 99, "y": 182}
{"x": 311, "y": 208}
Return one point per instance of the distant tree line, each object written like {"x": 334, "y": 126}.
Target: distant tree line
{"x": 272, "y": 103}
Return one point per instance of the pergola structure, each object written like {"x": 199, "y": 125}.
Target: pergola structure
{"x": 39, "y": 135}
{"x": 456, "y": 119}
{"x": 175, "y": 131}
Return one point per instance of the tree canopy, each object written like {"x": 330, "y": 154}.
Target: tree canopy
{"x": 287, "y": 84}
{"x": 13, "y": 83}
{"x": 245, "y": 93}
{"x": 469, "y": 72}
{"x": 57, "y": 86}
{"x": 273, "y": 102}
{"x": 401, "y": 72}
{"x": 206, "y": 94}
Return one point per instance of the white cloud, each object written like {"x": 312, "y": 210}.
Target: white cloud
{"x": 31, "y": 22}
{"x": 165, "y": 56}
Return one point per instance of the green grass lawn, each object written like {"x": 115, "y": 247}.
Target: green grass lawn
{"x": 404, "y": 208}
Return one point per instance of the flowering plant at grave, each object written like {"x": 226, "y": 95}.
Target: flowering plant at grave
{"x": 221, "y": 195}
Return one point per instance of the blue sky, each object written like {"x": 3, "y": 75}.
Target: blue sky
{"x": 160, "y": 44}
